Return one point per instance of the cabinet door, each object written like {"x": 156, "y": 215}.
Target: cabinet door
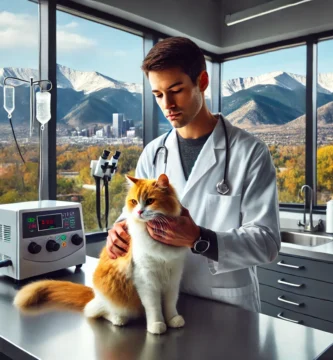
{"x": 302, "y": 267}
{"x": 294, "y": 317}
{"x": 299, "y": 303}
{"x": 296, "y": 284}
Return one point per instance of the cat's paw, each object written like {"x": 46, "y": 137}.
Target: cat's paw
{"x": 93, "y": 309}
{"x": 176, "y": 322}
{"x": 118, "y": 320}
{"x": 157, "y": 327}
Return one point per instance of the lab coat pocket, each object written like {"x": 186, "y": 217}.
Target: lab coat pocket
{"x": 244, "y": 297}
{"x": 222, "y": 212}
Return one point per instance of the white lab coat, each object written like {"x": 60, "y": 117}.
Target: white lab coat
{"x": 246, "y": 220}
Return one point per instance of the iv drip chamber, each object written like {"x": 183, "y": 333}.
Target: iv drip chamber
{"x": 9, "y": 99}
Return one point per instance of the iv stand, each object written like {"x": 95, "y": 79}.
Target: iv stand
{"x": 32, "y": 83}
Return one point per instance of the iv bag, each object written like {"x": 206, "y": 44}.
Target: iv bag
{"x": 43, "y": 110}
{"x": 9, "y": 99}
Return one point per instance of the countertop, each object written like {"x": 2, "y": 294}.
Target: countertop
{"x": 213, "y": 331}
{"x": 321, "y": 252}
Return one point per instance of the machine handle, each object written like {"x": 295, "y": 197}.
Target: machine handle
{"x": 281, "y": 263}
{"x": 281, "y": 281}
{"x": 5, "y": 263}
{"x": 284, "y": 318}
{"x": 281, "y": 298}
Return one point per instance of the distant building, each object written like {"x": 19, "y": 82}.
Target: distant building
{"x": 91, "y": 131}
{"x": 100, "y": 133}
{"x": 118, "y": 120}
{"x": 107, "y": 131}
{"x": 126, "y": 126}
{"x": 131, "y": 133}
{"x": 84, "y": 132}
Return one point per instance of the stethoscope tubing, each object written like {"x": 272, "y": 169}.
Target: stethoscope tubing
{"x": 221, "y": 187}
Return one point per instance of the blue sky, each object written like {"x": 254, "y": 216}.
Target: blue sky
{"x": 291, "y": 60}
{"x": 87, "y": 46}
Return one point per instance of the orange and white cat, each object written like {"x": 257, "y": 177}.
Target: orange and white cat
{"x": 144, "y": 281}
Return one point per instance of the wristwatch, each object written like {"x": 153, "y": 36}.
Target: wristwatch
{"x": 201, "y": 245}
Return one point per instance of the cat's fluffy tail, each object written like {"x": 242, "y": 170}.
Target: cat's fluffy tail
{"x": 51, "y": 294}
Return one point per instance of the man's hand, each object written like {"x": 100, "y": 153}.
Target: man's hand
{"x": 118, "y": 240}
{"x": 179, "y": 231}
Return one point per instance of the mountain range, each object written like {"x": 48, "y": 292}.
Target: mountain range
{"x": 86, "y": 98}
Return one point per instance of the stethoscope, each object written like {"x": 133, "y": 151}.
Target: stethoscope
{"x": 222, "y": 186}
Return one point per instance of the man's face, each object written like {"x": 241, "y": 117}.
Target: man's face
{"x": 177, "y": 96}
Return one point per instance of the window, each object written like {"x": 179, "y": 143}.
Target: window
{"x": 19, "y": 58}
{"x": 265, "y": 95}
{"x": 325, "y": 122}
{"x": 99, "y": 83}
{"x": 163, "y": 123}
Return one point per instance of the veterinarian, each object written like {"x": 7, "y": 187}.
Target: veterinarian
{"x": 224, "y": 177}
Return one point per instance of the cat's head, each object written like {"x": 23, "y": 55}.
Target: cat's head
{"x": 148, "y": 199}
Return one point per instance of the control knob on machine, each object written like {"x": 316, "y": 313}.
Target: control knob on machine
{"x": 34, "y": 248}
{"x": 52, "y": 245}
{"x": 76, "y": 239}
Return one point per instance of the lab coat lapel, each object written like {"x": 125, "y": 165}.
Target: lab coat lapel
{"x": 174, "y": 169}
{"x": 207, "y": 157}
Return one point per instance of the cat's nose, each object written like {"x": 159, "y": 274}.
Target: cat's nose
{"x": 140, "y": 212}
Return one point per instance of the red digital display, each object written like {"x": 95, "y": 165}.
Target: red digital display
{"x": 47, "y": 222}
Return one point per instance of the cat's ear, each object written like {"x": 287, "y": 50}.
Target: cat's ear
{"x": 131, "y": 180}
{"x": 162, "y": 181}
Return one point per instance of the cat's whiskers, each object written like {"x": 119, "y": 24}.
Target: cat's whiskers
{"x": 163, "y": 222}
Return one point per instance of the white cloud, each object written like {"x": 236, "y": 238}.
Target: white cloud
{"x": 69, "y": 41}
{"x": 71, "y": 25}
{"x": 18, "y": 30}
{"x": 107, "y": 52}
{"x": 21, "y": 31}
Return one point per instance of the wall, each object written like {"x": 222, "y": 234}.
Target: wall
{"x": 203, "y": 20}
{"x": 199, "y": 19}
{"x": 304, "y": 19}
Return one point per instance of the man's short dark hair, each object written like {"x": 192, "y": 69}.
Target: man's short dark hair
{"x": 175, "y": 52}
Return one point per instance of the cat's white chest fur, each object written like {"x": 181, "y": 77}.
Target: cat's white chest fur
{"x": 145, "y": 249}
{"x": 157, "y": 271}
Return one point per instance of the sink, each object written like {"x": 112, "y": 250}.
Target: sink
{"x": 305, "y": 239}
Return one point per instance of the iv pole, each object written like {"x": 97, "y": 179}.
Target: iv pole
{"x": 32, "y": 84}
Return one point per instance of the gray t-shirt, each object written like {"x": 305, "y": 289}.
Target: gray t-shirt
{"x": 189, "y": 150}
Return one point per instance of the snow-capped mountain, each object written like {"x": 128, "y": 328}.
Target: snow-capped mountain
{"x": 86, "y": 81}
{"x": 86, "y": 98}
{"x": 91, "y": 81}
{"x": 279, "y": 78}
{"x": 22, "y": 73}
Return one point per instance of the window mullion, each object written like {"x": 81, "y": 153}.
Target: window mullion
{"x": 216, "y": 87}
{"x": 311, "y": 117}
{"x": 149, "y": 106}
{"x": 47, "y": 71}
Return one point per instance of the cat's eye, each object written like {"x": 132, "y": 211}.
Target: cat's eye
{"x": 134, "y": 202}
{"x": 149, "y": 201}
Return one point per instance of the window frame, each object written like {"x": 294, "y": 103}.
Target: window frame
{"x": 311, "y": 42}
{"x": 47, "y": 69}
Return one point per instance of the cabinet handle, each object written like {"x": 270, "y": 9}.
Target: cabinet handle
{"x": 280, "y": 298}
{"x": 281, "y": 281}
{"x": 284, "y": 318}
{"x": 281, "y": 263}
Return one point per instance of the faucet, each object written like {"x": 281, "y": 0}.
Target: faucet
{"x": 309, "y": 226}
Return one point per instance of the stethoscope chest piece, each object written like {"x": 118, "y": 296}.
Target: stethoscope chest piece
{"x": 222, "y": 188}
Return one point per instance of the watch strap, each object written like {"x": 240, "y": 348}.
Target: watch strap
{"x": 212, "y": 251}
